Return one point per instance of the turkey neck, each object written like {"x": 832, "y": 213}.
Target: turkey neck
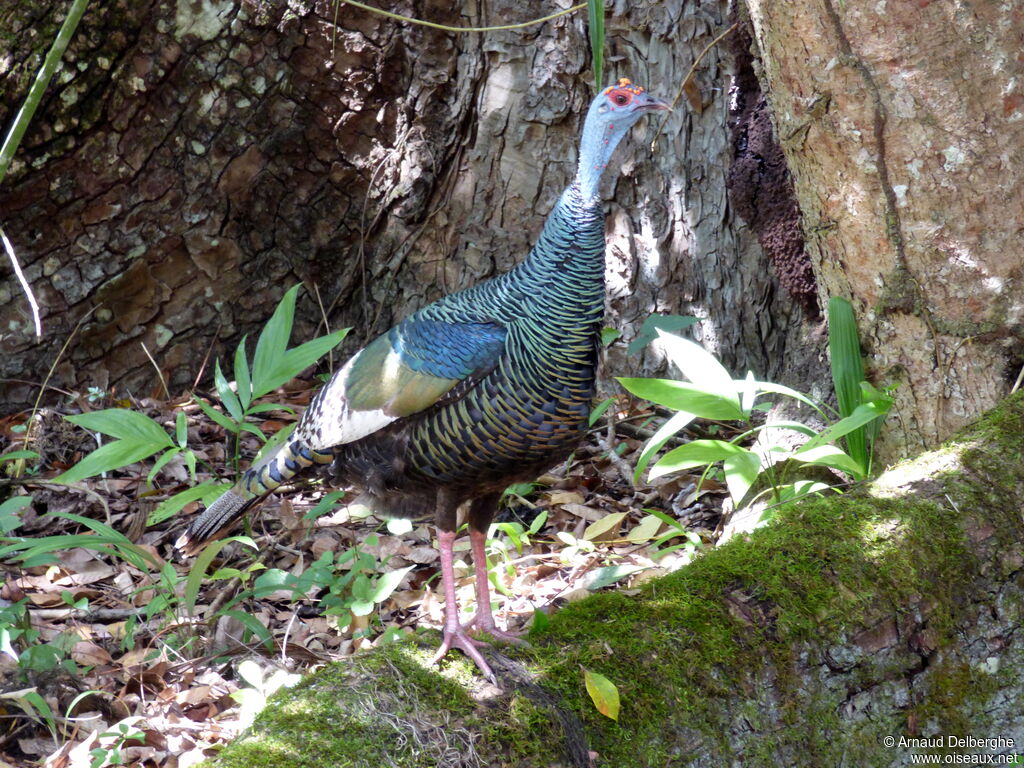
{"x": 560, "y": 286}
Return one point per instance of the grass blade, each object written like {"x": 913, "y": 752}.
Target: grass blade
{"x": 42, "y": 81}
{"x": 847, "y": 370}
{"x": 595, "y": 23}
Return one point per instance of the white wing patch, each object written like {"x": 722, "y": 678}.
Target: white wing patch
{"x": 328, "y": 421}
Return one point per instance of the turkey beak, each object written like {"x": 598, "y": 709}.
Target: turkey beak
{"x": 653, "y": 104}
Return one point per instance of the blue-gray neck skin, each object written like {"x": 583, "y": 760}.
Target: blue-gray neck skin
{"x": 600, "y": 138}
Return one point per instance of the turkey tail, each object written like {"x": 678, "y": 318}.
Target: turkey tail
{"x": 213, "y": 522}
{"x": 257, "y": 482}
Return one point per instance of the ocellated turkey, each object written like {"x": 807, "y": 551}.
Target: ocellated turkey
{"x": 485, "y": 387}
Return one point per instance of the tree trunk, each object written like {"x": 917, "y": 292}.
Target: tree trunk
{"x": 903, "y": 125}
{"x": 856, "y": 630}
{"x": 194, "y": 159}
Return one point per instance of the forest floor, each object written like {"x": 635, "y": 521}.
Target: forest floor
{"x": 156, "y": 660}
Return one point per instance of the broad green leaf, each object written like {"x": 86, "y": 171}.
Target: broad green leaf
{"x": 227, "y": 395}
{"x": 242, "y": 379}
{"x": 779, "y": 389}
{"x": 254, "y": 625}
{"x": 646, "y": 530}
{"x": 9, "y": 509}
{"x": 208, "y": 490}
{"x": 115, "y": 455}
{"x": 862, "y": 414}
{"x": 159, "y": 464}
{"x": 361, "y": 607}
{"x": 387, "y": 584}
{"x": 831, "y": 456}
{"x": 665, "y": 432}
{"x": 181, "y": 429}
{"x": 652, "y": 324}
{"x": 603, "y": 693}
{"x": 741, "y": 470}
{"x": 671, "y": 522}
{"x": 15, "y": 455}
{"x": 295, "y": 361}
{"x": 700, "y": 366}
{"x": 216, "y": 416}
{"x": 605, "y": 577}
{"x": 847, "y": 370}
{"x": 609, "y": 335}
{"x": 273, "y": 340}
{"x": 681, "y": 396}
{"x": 695, "y": 454}
{"x": 598, "y": 412}
{"x": 125, "y": 424}
{"x": 607, "y": 525}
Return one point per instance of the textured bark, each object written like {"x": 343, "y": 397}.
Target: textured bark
{"x": 856, "y": 630}
{"x": 197, "y": 157}
{"x": 903, "y": 124}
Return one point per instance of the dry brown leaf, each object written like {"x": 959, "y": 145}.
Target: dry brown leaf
{"x": 589, "y": 514}
{"x": 564, "y": 497}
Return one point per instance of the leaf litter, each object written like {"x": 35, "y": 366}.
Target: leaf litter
{"x": 139, "y": 676}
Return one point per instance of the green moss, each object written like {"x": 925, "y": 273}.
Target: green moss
{"x": 731, "y": 644}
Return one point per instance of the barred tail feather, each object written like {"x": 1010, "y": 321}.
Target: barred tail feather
{"x": 256, "y": 483}
{"x": 214, "y": 520}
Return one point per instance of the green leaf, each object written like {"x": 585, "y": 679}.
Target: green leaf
{"x": 198, "y": 571}
{"x": 680, "y": 396}
{"x": 387, "y": 584}
{"x": 273, "y": 340}
{"x": 595, "y": 24}
{"x": 847, "y": 369}
{"x": 665, "y": 432}
{"x": 295, "y": 361}
{"x": 598, "y": 412}
{"x": 242, "y": 378}
{"x": 253, "y": 624}
{"x": 695, "y": 454}
{"x": 115, "y": 455}
{"x": 741, "y": 470}
{"x": 208, "y": 490}
{"x": 607, "y": 525}
{"x": 216, "y": 416}
{"x": 831, "y": 456}
{"x": 227, "y": 395}
{"x": 655, "y": 322}
{"x": 125, "y": 424}
{"x": 181, "y": 429}
{"x": 609, "y": 335}
{"x": 645, "y": 530}
{"x": 603, "y": 693}
{"x": 15, "y": 455}
{"x": 779, "y": 389}
{"x": 159, "y": 464}
{"x": 700, "y": 366}
{"x": 605, "y": 577}
{"x": 862, "y": 414}
{"x": 9, "y": 509}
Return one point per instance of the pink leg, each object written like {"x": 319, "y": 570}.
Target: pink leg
{"x": 484, "y": 620}
{"x": 454, "y": 634}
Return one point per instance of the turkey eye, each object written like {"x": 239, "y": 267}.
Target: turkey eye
{"x": 621, "y": 99}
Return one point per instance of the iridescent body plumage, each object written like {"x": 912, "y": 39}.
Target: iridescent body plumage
{"x": 480, "y": 389}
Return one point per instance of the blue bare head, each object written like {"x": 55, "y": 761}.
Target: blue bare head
{"x": 611, "y": 115}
